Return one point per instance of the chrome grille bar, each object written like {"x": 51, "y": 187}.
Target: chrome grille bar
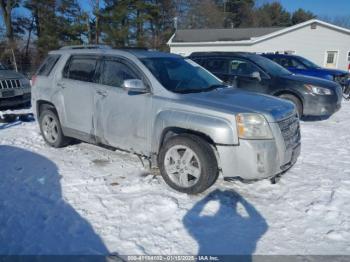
{"x": 10, "y": 83}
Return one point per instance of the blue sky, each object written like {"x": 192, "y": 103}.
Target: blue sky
{"x": 328, "y": 8}
{"x": 322, "y": 8}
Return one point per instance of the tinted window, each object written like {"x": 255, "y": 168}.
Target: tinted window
{"x": 285, "y": 62}
{"x": 81, "y": 68}
{"x": 243, "y": 67}
{"x": 115, "y": 72}
{"x": 180, "y": 75}
{"x": 48, "y": 64}
{"x": 217, "y": 65}
{"x": 269, "y": 66}
{"x": 295, "y": 63}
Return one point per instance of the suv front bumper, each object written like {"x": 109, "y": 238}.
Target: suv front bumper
{"x": 259, "y": 159}
{"x": 322, "y": 105}
{"x": 15, "y": 101}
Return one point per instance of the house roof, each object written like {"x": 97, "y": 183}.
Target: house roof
{"x": 211, "y": 35}
{"x": 240, "y": 36}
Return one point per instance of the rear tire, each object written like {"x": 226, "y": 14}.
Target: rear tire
{"x": 188, "y": 164}
{"x": 296, "y": 101}
{"x": 51, "y": 130}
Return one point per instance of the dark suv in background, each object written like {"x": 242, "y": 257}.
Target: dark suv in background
{"x": 303, "y": 66}
{"x": 311, "y": 96}
{"x": 14, "y": 89}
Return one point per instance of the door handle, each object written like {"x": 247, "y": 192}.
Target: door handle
{"x": 61, "y": 85}
{"x": 101, "y": 93}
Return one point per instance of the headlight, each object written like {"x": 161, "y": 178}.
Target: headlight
{"x": 253, "y": 126}
{"x": 25, "y": 83}
{"x": 316, "y": 90}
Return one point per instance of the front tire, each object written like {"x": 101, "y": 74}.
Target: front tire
{"x": 188, "y": 164}
{"x": 296, "y": 101}
{"x": 51, "y": 130}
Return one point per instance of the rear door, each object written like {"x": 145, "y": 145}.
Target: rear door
{"x": 77, "y": 87}
{"x": 122, "y": 117}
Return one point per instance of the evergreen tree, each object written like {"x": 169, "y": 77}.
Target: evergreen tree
{"x": 273, "y": 15}
{"x": 239, "y": 13}
{"x": 301, "y": 15}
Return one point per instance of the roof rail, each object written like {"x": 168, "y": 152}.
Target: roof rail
{"x": 133, "y": 48}
{"x": 69, "y": 47}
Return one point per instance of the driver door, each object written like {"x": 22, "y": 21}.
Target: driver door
{"x": 122, "y": 117}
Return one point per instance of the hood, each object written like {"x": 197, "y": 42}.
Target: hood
{"x": 9, "y": 74}
{"x": 302, "y": 79}
{"x": 334, "y": 72}
{"x": 239, "y": 101}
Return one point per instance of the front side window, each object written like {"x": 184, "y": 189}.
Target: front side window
{"x": 181, "y": 75}
{"x": 2, "y": 67}
{"x": 270, "y": 67}
{"x": 307, "y": 62}
{"x": 295, "y": 63}
{"x": 115, "y": 73}
{"x": 243, "y": 68}
{"x": 81, "y": 68}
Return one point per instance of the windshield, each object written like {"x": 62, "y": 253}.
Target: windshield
{"x": 271, "y": 67}
{"x": 2, "y": 67}
{"x": 181, "y": 75}
{"x": 308, "y": 63}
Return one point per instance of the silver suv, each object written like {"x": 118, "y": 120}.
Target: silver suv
{"x": 168, "y": 109}
{"x": 14, "y": 89}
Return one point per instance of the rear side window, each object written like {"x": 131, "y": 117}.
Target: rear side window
{"x": 81, "y": 68}
{"x": 217, "y": 65}
{"x": 48, "y": 64}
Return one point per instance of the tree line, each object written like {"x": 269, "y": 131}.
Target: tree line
{"x": 31, "y": 28}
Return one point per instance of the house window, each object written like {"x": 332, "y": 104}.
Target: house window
{"x": 331, "y": 59}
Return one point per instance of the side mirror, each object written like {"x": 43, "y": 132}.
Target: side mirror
{"x": 256, "y": 75}
{"x": 135, "y": 85}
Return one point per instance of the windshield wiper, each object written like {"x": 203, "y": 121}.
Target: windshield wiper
{"x": 213, "y": 87}
{"x": 200, "y": 90}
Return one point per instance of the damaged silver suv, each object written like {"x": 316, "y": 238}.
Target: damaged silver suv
{"x": 168, "y": 109}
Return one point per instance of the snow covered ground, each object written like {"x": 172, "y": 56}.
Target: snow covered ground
{"x": 83, "y": 199}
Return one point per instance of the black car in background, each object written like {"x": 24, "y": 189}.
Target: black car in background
{"x": 311, "y": 96}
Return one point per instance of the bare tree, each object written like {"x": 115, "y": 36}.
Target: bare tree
{"x": 6, "y": 7}
{"x": 95, "y": 4}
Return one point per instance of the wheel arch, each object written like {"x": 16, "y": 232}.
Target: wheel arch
{"x": 289, "y": 92}
{"x": 212, "y": 129}
{"x": 43, "y": 104}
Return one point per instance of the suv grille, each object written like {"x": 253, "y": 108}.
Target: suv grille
{"x": 10, "y": 83}
{"x": 290, "y": 131}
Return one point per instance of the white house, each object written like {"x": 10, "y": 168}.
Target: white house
{"x": 325, "y": 44}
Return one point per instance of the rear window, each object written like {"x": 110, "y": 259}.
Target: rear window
{"x": 81, "y": 68}
{"x": 48, "y": 64}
